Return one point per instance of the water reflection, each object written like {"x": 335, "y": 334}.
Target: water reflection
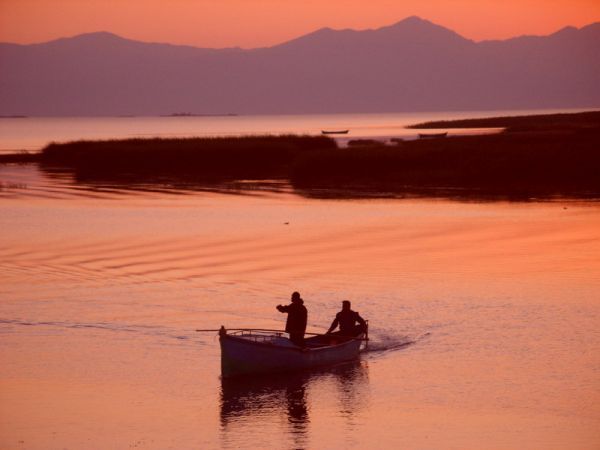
{"x": 252, "y": 404}
{"x": 73, "y": 182}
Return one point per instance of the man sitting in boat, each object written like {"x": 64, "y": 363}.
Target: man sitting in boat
{"x": 296, "y": 320}
{"x": 347, "y": 320}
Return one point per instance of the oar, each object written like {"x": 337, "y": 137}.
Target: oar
{"x": 251, "y": 329}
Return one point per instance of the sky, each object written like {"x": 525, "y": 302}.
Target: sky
{"x": 260, "y": 23}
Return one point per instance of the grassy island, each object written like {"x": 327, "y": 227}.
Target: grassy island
{"x": 203, "y": 158}
{"x": 535, "y": 156}
{"x": 542, "y": 122}
{"x": 506, "y": 164}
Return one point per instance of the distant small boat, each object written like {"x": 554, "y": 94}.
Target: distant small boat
{"x": 334, "y": 131}
{"x": 432, "y": 135}
{"x": 250, "y": 351}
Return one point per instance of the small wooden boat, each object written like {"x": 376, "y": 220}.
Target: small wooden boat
{"x": 254, "y": 351}
{"x": 432, "y": 135}
{"x": 334, "y": 131}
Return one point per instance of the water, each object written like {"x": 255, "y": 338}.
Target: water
{"x": 32, "y": 134}
{"x": 484, "y": 318}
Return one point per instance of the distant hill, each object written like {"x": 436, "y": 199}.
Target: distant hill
{"x": 413, "y": 65}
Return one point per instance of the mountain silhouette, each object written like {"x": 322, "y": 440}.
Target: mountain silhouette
{"x": 413, "y": 65}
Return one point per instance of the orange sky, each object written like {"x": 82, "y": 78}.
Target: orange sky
{"x": 255, "y": 23}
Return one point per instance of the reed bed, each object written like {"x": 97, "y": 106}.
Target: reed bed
{"x": 545, "y": 122}
{"x": 511, "y": 164}
{"x": 249, "y": 156}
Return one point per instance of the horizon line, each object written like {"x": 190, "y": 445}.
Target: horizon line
{"x": 412, "y": 17}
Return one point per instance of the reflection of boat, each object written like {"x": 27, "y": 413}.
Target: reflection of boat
{"x": 250, "y": 351}
{"x": 334, "y": 131}
{"x": 247, "y": 396}
{"x": 252, "y": 403}
{"x": 432, "y": 135}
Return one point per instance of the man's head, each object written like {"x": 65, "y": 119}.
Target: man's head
{"x": 346, "y": 305}
{"x": 295, "y": 296}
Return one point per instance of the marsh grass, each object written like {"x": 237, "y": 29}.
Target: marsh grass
{"x": 541, "y": 122}
{"x": 21, "y": 157}
{"x": 519, "y": 164}
{"x": 229, "y": 157}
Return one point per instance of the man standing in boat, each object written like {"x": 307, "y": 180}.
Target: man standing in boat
{"x": 296, "y": 320}
{"x": 347, "y": 320}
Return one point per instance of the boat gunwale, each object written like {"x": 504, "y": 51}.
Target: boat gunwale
{"x": 295, "y": 348}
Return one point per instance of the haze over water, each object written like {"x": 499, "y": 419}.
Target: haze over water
{"x": 484, "y": 318}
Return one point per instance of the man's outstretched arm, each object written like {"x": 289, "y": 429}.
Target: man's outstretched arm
{"x": 334, "y": 324}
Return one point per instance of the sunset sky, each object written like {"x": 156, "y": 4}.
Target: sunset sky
{"x": 256, "y": 23}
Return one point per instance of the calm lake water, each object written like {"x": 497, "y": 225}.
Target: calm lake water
{"x": 484, "y": 318}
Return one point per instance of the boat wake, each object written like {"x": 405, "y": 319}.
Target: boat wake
{"x": 387, "y": 342}
{"x": 147, "y": 330}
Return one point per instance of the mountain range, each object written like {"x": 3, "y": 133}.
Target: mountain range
{"x": 413, "y": 65}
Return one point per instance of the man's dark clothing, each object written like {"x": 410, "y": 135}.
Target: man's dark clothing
{"x": 347, "y": 319}
{"x": 296, "y": 320}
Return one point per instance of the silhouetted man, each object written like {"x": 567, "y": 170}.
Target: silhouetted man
{"x": 296, "y": 320}
{"x": 347, "y": 319}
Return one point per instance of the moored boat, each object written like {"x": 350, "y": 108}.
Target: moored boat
{"x": 432, "y": 135}
{"x": 334, "y": 131}
{"x": 254, "y": 351}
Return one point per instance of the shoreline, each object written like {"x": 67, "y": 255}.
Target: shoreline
{"x": 584, "y": 119}
{"x": 535, "y": 156}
